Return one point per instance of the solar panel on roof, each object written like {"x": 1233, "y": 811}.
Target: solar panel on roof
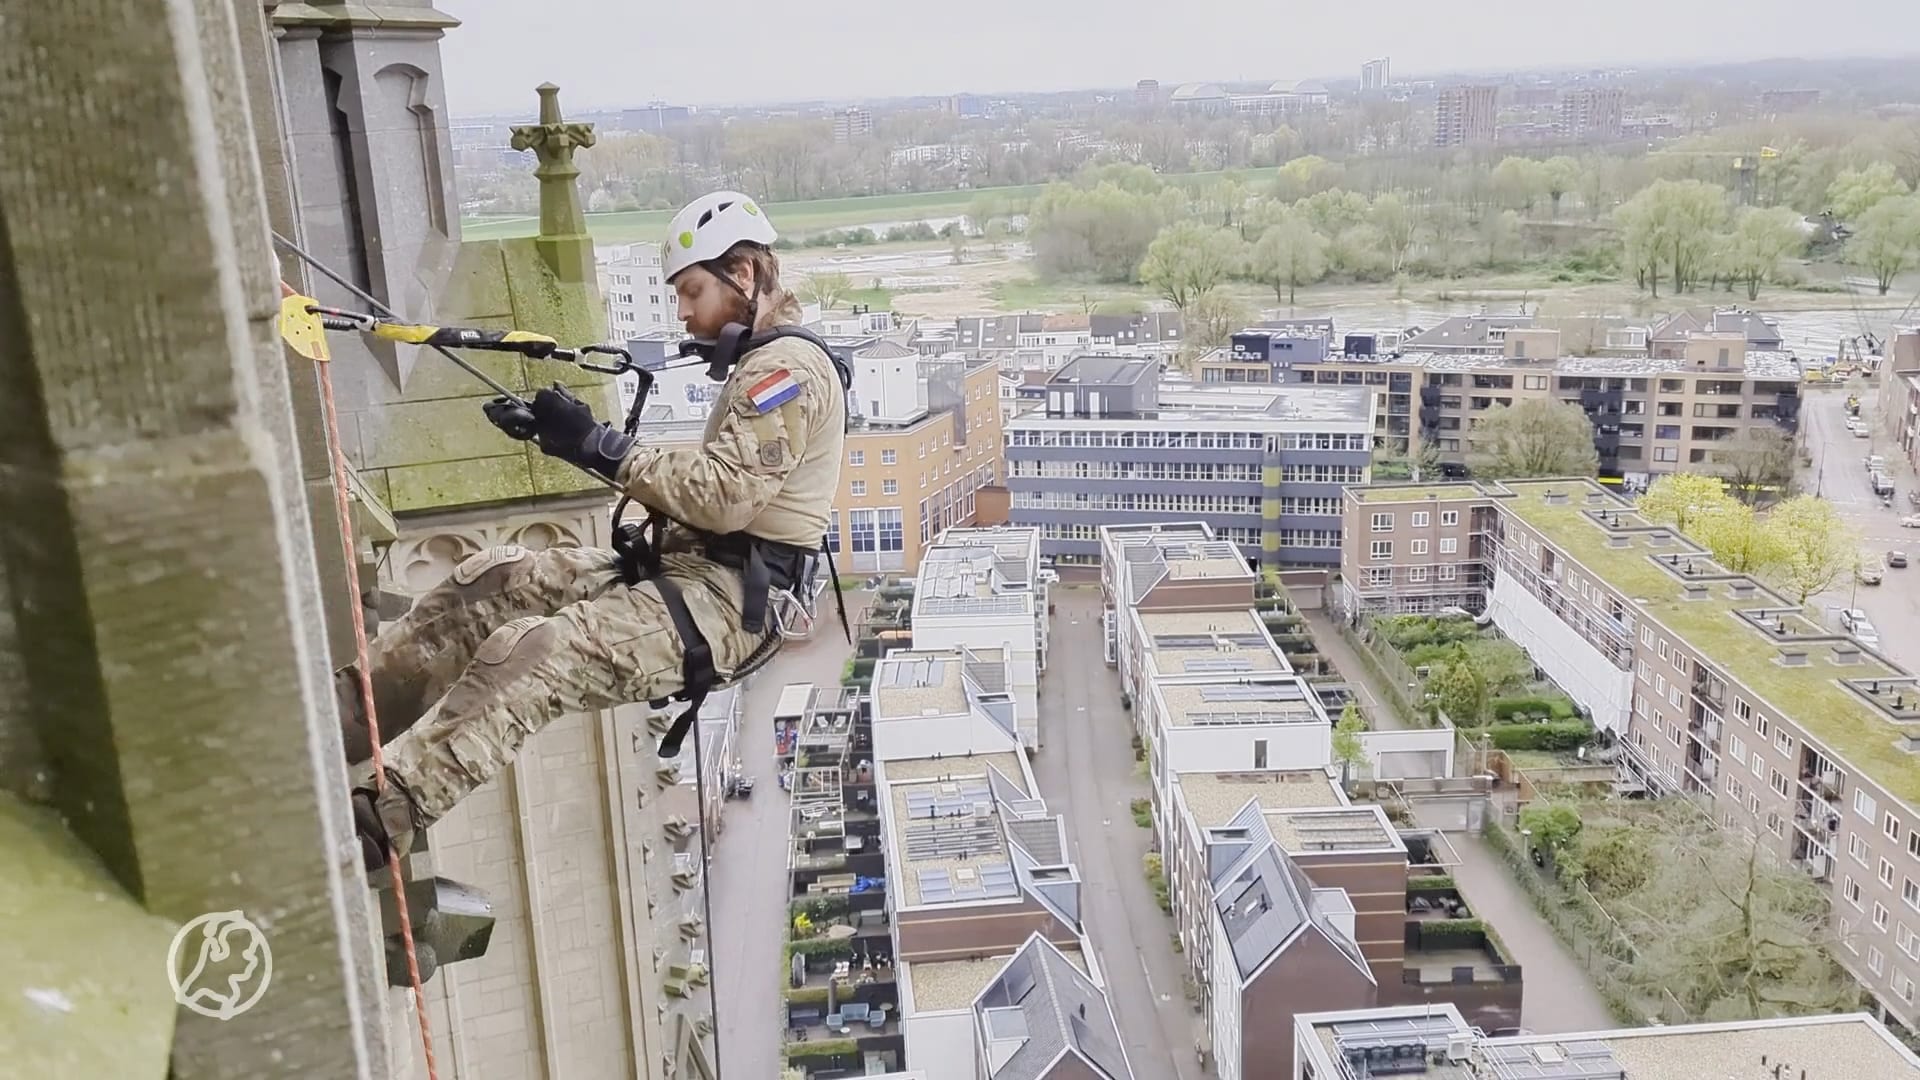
{"x": 1219, "y": 663}
{"x": 1250, "y": 693}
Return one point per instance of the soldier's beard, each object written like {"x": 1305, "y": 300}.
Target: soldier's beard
{"x": 735, "y": 311}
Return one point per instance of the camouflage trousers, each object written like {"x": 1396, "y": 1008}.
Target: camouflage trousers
{"x": 514, "y": 639}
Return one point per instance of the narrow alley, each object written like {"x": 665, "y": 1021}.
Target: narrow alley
{"x": 1559, "y": 996}
{"x": 1086, "y": 771}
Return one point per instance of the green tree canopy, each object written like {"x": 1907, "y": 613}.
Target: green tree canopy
{"x": 1533, "y": 437}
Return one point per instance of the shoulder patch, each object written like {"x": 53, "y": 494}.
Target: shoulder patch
{"x": 773, "y": 391}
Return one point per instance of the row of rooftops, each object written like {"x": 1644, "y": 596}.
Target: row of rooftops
{"x": 1861, "y": 707}
{"x": 969, "y": 833}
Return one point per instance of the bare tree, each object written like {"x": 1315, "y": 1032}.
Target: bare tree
{"x": 826, "y": 288}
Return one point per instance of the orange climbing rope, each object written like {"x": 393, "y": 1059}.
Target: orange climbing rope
{"x": 340, "y": 482}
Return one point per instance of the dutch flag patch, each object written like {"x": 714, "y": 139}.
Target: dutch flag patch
{"x": 773, "y": 391}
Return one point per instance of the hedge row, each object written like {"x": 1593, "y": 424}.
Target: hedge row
{"x": 1555, "y": 736}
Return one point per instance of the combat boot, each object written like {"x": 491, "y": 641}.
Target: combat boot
{"x": 384, "y": 821}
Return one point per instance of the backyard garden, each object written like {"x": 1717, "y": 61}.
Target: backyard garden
{"x": 1483, "y": 682}
{"x": 1675, "y": 917}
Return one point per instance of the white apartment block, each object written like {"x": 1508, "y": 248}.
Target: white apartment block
{"x": 979, "y": 588}
{"x": 1435, "y": 1041}
{"x": 638, "y": 297}
{"x": 948, "y": 703}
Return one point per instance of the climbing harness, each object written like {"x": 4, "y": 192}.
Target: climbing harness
{"x": 314, "y": 347}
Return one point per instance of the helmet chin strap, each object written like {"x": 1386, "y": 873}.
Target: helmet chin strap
{"x": 722, "y": 352}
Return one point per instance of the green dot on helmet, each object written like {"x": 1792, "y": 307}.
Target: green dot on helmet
{"x": 686, "y": 239}
{"x": 751, "y": 209}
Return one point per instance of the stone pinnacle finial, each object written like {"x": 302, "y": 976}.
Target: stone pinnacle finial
{"x": 553, "y": 140}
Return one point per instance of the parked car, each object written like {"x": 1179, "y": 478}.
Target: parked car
{"x": 1897, "y": 560}
{"x": 1870, "y": 572}
{"x": 1860, "y": 432}
{"x": 1911, "y": 521}
{"x": 1854, "y": 621}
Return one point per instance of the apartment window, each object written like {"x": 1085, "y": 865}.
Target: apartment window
{"x": 833, "y": 531}
{"x": 1736, "y": 749}
{"x": 889, "y": 457}
{"x": 1775, "y": 825}
{"x": 1846, "y": 936}
{"x": 1857, "y": 848}
{"x": 1659, "y": 684}
{"x": 1851, "y": 891}
{"x": 1449, "y": 546}
{"x": 1379, "y": 575}
{"x": 1447, "y": 572}
{"x": 1259, "y": 753}
{"x": 1673, "y": 696}
{"x": 1907, "y": 942}
{"x": 1864, "y": 805}
{"x": 1666, "y": 453}
{"x": 1640, "y": 667}
{"x": 1903, "y": 986}
{"x": 861, "y": 526}
{"x": 1778, "y": 783}
{"x": 1383, "y": 523}
{"x": 1382, "y": 550}
{"x": 1419, "y": 519}
{"x": 859, "y": 489}
{"x": 1876, "y": 960}
{"x": 889, "y": 487}
{"x": 1891, "y": 826}
{"x": 856, "y": 457}
{"x": 1416, "y": 574}
{"x": 1784, "y": 743}
{"x": 1910, "y": 892}
{"x": 1646, "y": 636}
{"x": 1742, "y": 710}
{"x": 1661, "y": 648}
{"x": 1449, "y": 518}
{"x": 1761, "y": 727}
{"x": 1759, "y": 767}
{"x": 1913, "y": 843}
{"x": 892, "y": 531}
{"x": 1886, "y": 873}
{"x": 1419, "y": 547}
{"x": 1532, "y": 382}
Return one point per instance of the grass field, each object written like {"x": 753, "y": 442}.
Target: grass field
{"x": 792, "y": 218}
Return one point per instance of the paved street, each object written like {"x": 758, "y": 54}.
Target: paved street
{"x": 749, "y": 873}
{"x": 1328, "y": 643}
{"x": 1838, "y": 474}
{"x": 1086, "y": 774}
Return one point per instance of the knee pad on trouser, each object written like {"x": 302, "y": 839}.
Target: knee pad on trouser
{"x": 383, "y": 820}
{"x": 490, "y": 710}
{"x": 477, "y": 565}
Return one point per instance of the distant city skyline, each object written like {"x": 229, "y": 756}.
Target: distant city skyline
{"x": 607, "y": 55}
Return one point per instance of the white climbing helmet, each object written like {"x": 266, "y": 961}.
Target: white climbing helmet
{"x": 708, "y": 228}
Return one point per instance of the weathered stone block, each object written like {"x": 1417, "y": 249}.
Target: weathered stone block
{"x": 424, "y": 432}
{"x": 458, "y": 483}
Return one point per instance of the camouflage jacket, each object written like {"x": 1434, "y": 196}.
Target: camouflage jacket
{"x": 769, "y": 461}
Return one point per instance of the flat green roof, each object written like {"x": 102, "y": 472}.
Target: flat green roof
{"x": 1811, "y": 696}
{"x": 1416, "y": 492}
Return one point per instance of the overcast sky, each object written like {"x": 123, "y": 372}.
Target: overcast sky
{"x": 607, "y": 53}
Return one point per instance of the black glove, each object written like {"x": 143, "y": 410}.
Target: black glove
{"x": 511, "y": 416}
{"x": 566, "y": 428}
